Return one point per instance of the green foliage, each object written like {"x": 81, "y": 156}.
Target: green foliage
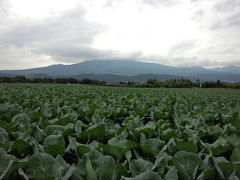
{"x": 91, "y": 132}
{"x": 23, "y": 79}
{"x": 235, "y": 157}
{"x": 54, "y": 144}
{"x": 20, "y": 148}
{"x": 188, "y": 146}
{"x": 187, "y": 164}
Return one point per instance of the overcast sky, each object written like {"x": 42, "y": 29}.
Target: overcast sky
{"x": 35, "y": 33}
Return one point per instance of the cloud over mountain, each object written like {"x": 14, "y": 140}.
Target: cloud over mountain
{"x": 170, "y": 32}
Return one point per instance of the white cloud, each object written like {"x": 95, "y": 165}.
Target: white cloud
{"x": 171, "y": 32}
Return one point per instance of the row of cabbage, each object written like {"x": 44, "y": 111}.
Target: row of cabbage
{"x": 88, "y": 132}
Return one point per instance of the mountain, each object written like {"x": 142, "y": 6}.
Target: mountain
{"x": 119, "y": 67}
{"x": 229, "y": 69}
{"x": 127, "y": 70}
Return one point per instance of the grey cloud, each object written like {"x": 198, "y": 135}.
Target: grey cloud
{"x": 227, "y": 6}
{"x": 111, "y": 3}
{"x": 160, "y": 3}
{"x": 233, "y": 49}
{"x": 194, "y": 61}
{"x": 233, "y": 20}
{"x": 229, "y": 62}
{"x": 197, "y": 2}
{"x": 3, "y": 7}
{"x": 74, "y": 53}
{"x": 182, "y": 47}
{"x": 228, "y": 22}
{"x": 194, "y": 1}
{"x": 198, "y": 15}
{"x": 179, "y": 61}
{"x": 67, "y": 35}
{"x": 229, "y": 9}
{"x": 20, "y": 58}
{"x": 182, "y": 61}
{"x": 71, "y": 26}
{"x": 217, "y": 25}
{"x": 4, "y": 11}
{"x": 66, "y": 38}
{"x": 190, "y": 61}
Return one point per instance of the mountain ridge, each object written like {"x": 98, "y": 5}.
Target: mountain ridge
{"x": 129, "y": 68}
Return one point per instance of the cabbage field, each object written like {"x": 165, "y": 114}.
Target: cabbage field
{"x": 109, "y": 133}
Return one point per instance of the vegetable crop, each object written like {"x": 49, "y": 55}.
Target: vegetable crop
{"x": 107, "y": 133}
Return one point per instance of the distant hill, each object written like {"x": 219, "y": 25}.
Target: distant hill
{"x": 229, "y": 69}
{"x": 128, "y": 70}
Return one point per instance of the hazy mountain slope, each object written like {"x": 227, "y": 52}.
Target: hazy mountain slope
{"x": 120, "y": 67}
{"x": 112, "y": 69}
{"x": 229, "y": 69}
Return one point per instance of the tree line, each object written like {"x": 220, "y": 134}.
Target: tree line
{"x": 23, "y": 79}
{"x": 151, "y": 83}
{"x": 184, "y": 83}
